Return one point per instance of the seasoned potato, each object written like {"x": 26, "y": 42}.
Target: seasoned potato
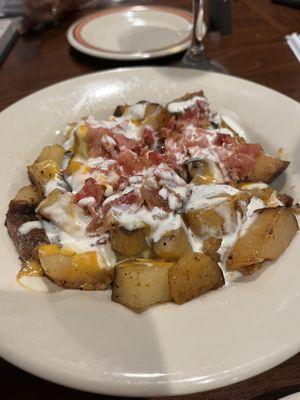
{"x": 155, "y": 116}
{"x": 210, "y": 247}
{"x": 74, "y": 271}
{"x": 210, "y": 220}
{"x": 29, "y": 194}
{"x": 250, "y": 269}
{"x": 193, "y": 275}
{"x": 267, "y": 168}
{"x": 42, "y": 172}
{"x": 128, "y": 243}
{"x": 81, "y": 140}
{"x": 172, "y": 245}
{"x": 200, "y": 171}
{"x": 139, "y": 283}
{"x": 54, "y": 153}
{"x": 51, "y": 199}
{"x": 266, "y": 239}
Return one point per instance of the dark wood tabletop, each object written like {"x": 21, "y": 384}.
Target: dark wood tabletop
{"x": 255, "y": 50}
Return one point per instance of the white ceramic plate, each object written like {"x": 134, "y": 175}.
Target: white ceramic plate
{"x": 294, "y": 396}
{"x": 132, "y": 33}
{"x": 82, "y": 339}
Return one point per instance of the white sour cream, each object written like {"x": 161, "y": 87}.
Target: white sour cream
{"x": 180, "y": 106}
{"x": 29, "y": 226}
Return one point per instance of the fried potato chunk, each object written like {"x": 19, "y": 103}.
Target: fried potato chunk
{"x": 266, "y": 239}
{"x": 193, "y": 275}
{"x": 172, "y": 245}
{"x": 128, "y": 243}
{"x": 139, "y": 283}
{"x": 74, "y": 271}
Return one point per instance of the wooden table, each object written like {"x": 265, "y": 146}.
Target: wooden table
{"x": 256, "y": 50}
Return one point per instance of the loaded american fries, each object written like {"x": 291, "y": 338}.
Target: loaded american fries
{"x": 159, "y": 203}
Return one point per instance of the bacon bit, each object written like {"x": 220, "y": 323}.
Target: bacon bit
{"x": 95, "y": 143}
{"x": 154, "y": 157}
{"x": 238, "y": 157}
{"x": 148, "y": 136}
{"x": 152, "y": 199}
{"x": 130, "y": 162}
{"x": 124, "y": 142}
{"x": 122, "y": 183}
{"x": 131, "y": 199}
{"x": 198, "y": 114}
{"x": 90, "y": 189}
{"x": 96, "y": 226}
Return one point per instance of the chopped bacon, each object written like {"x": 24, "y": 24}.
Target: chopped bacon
{"x": 148, "y": 136}
{"x": 122, "y": 183}
{"x": 96, "y": 145}
{"x": 130, "y": 162}
{"x": 198, "y": 114}
{"x": 238, "y": 157}
{"x": 154, "y": 157}
{"x": 152, "y": 199}
{"x": 129, "y": 200}
{"x": 124, "y": 142}
{"x": 90, "y": 189}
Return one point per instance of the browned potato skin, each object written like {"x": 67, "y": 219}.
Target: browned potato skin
{"x": 21, "y": 210}
{"x": 194, "y": 274}
{"x": 267, "y": 168}
{"x": 128, "y": 243}
{"x": 250, "y": 269}
{"x": 199, "y": 220}
{"x": 24, "y": 243}
{"x": 51, "y": 199}
{"x": 61, "y": 270}
{"x": 210, "y": 247}
{"x": 155, "y": 116}
{"x": 266, "y": 238}
{"x": 29, "y": 194}
{"x": 41, "y": 172}
{"x": 54, "y": 153}
{"x": 203, "y": 221}
{"x": 140, "y": 283}
{"x": 172, "y": 245}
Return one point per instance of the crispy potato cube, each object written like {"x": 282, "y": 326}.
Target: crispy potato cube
{"x": 51, "y": 199}
{"x": 42, "y": 172}
{"x": 28, "y": 194}
{"x": 266, "y": 239}
{"x": 25, "y": 201}
{"x": 139, "y": 283}
{"x": 54, "y": 153}
{"x": 82, "y": 142}
{"x": 74, "y": 271}
{"x": 128, "y": 243}
{"x": 267, "y": 168}
{"x": 172, "y": 245}
{"x": 155, "y": 116}
{"x": 210, "y": 220}
{"x": 210, "y": 247}
{"x": 200, "y": 171}
{"x": 194, "y": 274}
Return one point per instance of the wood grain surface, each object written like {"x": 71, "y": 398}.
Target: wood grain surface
{"x": 256, "y": 50}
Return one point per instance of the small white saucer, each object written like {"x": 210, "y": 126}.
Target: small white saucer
{"x": 132, "y": 33}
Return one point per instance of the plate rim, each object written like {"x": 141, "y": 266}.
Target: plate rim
{"x": 81, "y": 45}
{"x": 147, "y": 390}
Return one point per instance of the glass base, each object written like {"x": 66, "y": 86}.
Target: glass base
{"x": 205, "y": 65}
{"x": 195, "y": 58}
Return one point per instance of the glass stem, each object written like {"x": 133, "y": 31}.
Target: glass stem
{"x": 196, "y": 54}
{"x": 198, "y": 14}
